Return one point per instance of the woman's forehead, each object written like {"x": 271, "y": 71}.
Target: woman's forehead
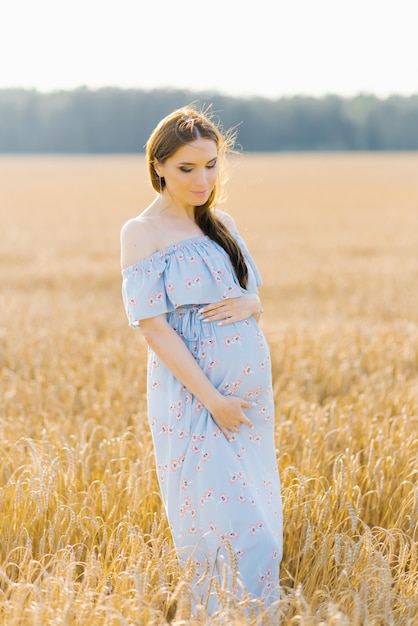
{"x": 195, "y": 151}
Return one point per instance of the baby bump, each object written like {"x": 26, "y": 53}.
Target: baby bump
{"x": 235, "y": 357}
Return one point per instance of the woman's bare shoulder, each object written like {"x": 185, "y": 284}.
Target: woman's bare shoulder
{"x": 137, "y": 238}
{"x": 226, "y": 219}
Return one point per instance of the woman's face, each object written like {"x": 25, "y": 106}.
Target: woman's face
{"x": 190, "y": 174}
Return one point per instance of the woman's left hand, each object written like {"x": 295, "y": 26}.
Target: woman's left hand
{"x": 232, "y": 309}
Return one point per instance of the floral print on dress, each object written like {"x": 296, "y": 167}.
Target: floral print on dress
{"x": 218, "y": 494}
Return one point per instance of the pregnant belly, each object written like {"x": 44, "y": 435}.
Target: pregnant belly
{"x": 235, "y": 357}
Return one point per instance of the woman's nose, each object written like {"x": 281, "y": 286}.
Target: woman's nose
{"x": 201, "y": 176}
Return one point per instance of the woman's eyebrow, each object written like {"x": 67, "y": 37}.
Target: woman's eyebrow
{"x": 189, "y": 163}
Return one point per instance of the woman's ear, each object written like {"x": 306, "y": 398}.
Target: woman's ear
{"x": 156, "y": 167}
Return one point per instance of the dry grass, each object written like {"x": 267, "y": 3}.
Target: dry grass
{"x": 83, "y": 538}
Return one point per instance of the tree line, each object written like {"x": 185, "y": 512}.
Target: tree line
{"x": 114, "y": 120}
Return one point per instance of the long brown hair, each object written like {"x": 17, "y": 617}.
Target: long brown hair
{"x": 181, "y": 127}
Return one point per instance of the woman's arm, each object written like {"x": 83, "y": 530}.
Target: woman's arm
{"x": 227, "y": 411}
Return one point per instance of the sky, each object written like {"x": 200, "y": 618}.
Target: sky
{"x": 269, "y": 48}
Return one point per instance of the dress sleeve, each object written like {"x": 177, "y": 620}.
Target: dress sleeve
{"x": 143, "y": 290}
{"x": 254, "y": 276}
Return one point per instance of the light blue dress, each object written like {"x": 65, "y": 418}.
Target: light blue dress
{"x": 222, "y": 497}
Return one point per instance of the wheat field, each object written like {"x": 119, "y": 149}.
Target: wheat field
{"x": 83, "y": 537}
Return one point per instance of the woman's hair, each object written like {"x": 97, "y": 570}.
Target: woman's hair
{"x": 174, "y": 131}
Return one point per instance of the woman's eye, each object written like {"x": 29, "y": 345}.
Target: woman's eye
{"x": 211, "y": 166}
{"x": 185, "y": 169}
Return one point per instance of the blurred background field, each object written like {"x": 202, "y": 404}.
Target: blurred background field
{"x": 82, "y": 532}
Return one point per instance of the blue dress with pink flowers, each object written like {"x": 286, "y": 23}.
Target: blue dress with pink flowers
{"x": 222, "y": 497}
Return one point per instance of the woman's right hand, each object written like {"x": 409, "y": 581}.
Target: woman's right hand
{"x": 226, "y": 411}
{"x": 229, "y": 416}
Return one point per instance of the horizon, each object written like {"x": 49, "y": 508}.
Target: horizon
{"x": 218, "y": 93}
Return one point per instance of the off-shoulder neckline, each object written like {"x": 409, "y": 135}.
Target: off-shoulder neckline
{"x": 173, "y": 246}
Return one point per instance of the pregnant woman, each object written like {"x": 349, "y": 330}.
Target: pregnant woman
{"x": 190, "y": 285}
